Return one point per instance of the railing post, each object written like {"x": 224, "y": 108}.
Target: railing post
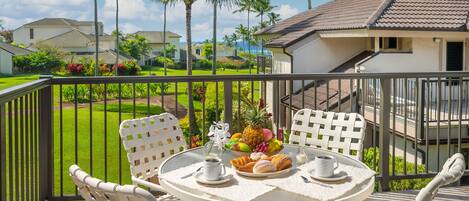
{"x": 46, "y": 133}
{"x": 228, "y": 94}
{"x": 384, "y": 117}
{"x": 3, "y": 179}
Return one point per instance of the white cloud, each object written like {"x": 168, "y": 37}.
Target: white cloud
{"x": 201, "y": 27}
{"x": 55, "y": 2}
{"x": 131, "y": 9}
{"x": 129, "y": 28}
{"x": 287, "y": 11}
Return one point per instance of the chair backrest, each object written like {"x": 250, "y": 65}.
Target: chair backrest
{"x": 149, "y": 141}
{"x": 452, "y": 171}
{"x": 338, "y": 132}
{"x": 93, "y": 189}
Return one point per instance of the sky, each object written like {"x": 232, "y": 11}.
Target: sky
{"x": 136, "y": 15}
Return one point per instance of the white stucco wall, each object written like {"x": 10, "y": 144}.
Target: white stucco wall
{"x": 424, "y": 58}
{"x": 21, "y": 35}
{"x": 6, "y": 62}
{"x": 322, "y": 55}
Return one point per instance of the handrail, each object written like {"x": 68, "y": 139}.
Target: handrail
{"x": 23, "y": 89}
{"x": 274, "y": 77}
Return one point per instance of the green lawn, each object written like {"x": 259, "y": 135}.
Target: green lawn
{"x": 93, "y": 144}
{"x": 10, "y": 81}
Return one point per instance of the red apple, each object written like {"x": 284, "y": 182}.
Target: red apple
{"x": 268, "y": 135}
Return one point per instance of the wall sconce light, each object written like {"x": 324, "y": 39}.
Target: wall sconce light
{"x": 437, "y": 40}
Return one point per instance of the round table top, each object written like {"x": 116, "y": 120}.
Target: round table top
{"x": 192, "y": 156}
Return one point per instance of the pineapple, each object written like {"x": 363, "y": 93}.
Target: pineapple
{"x": 256, "y": 118}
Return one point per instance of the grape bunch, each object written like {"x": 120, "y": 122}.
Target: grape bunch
{"x": 262, "y": 147}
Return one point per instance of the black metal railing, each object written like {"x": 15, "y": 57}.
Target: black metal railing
{"x": 75, "y": 120}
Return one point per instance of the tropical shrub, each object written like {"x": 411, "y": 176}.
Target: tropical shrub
{"x": 230, "y": 63}
{"x": 40, "y": 61}
{"x": 169, "y": 62}
{"x": 132, "y": 67}
{"x": 75, "y": 69}
{"x": 121, "y": 69}
{"x": 396, "y": 185}
{"x": 204, "y": 64}
{"x": 199, "y": 90}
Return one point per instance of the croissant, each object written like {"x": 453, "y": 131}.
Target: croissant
{"x": 281, "y": 162}
{"x": 240, "y": 161}
{"x": 248, "y": 167}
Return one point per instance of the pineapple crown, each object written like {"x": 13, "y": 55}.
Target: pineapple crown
{"x": 256, "y": 114}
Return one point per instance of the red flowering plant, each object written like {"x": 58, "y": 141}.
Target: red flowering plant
{"x": 121, "y": 69}
{"x": 75, "y": 69}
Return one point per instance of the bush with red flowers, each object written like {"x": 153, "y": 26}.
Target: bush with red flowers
{"x": 121, "y": 69}
{"x": 75, "y": 69}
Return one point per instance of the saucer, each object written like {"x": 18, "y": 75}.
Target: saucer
{"x": 340, "y": 176}
{"x": 200, "y": 178}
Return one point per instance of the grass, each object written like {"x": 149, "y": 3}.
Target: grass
{"x": 10, "y": 81}
{"x": 91, "y": 140}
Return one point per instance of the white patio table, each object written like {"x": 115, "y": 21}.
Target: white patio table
{"x": 193, "y": 156}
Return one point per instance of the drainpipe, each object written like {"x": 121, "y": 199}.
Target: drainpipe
{"x": 291, "y": 59}
{"x": 287, "y": 118}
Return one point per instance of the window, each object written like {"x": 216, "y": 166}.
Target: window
{"x": 394, "y": 44}
{"x": 31, "y": 33}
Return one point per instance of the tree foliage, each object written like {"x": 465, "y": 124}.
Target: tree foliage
{"x": 134, "y": 45}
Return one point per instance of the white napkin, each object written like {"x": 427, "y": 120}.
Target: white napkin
{"x": 293, "y": 182}
{"x": 239, "y": 189}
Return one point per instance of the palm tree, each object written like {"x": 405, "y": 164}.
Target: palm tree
{"x": 193, "y": 127}
{"x": 310, "y": 5}
{"x": 235, "y": 37}
{"x": 216, "y": 4}
{"x": 165, "y": 3}
{"x": 117, "y": 36}
{"x": 96, "y": 33}
{"x": 247, "y": 6}
{"x": 242, "y": 32}
{"x": 273, "y": 18}
{"x": 261, "y": 8}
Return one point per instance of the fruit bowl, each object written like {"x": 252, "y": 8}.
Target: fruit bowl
{"x": 241, "y": 153}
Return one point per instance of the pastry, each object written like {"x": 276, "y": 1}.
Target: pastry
{"x": 257, "y": 156}
{"x": 281, "y": 162}
{"x": 263, "y": 166}
{"x": 240, "y": 161}
{"x": 248, "y": 167}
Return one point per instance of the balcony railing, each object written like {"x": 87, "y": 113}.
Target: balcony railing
{"x": 51, "y": 123}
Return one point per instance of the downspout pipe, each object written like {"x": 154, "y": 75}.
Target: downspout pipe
{"x": 291, "y": 59}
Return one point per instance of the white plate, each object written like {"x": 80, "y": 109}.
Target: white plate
{"x": 261, "y": 175}
{"x": 340, "y": 176}
{"x": 200, "y": 178}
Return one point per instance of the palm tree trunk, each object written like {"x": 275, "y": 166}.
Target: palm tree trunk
{"x": 262, "y": 40}
{"x": 96, "y": 32}
{"x": 164, "y": 40}
{"x": 249, "y": 41}
{"x": 214, "y": 55}
{"x": 193, "y": 128}
{"x": 117, "y": 31}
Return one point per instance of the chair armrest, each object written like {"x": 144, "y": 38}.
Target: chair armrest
{"x": 150, "y": 185}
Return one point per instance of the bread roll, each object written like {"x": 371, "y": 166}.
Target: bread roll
{"x": 248, "y": 167}
{"x": 263, "y": 166}
{"x": 281, "y": 162}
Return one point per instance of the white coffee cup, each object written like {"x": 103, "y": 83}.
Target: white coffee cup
{"x": 213, "y": 169}
{"x": 324, "y": 166}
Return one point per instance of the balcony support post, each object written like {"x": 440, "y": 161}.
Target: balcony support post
{"x": 228, "y": 93}
{"x": 3, "y": 178}
{"x": 384, "y": 118}
{"x": 46, "y": 133}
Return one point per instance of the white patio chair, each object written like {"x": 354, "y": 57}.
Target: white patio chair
{"x": 148, "y": 142}
{"x": 338, "y": 132}
{"x": 93, "y": 189}
{"x": 452, "y": 171}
